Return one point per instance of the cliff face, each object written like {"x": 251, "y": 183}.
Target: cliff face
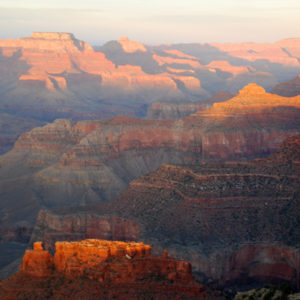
{"x": 65, "y": 72}
{"x": 288, "y": 88}
{"x": 88, "y": 162}
{"x": 236, "y": 222}
{"x": 54, "y": 75}
{"x": 173, "y": 110}
{"x": 122, "y": 270}
{"x": 181, "y": 109}
{"x": 285, "y": 51}
{"x": 63, "y": 76}
{"x": 11, "y": 126}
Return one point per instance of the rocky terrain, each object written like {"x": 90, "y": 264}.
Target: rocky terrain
{"x": 90, "y": 269}
{"x": 272, "y": 293}
{"x": 11, "y": 126}
{"x": 176, "y": 110}
{"x": 236, "y": 222}
{"x": 289, "y": 88}
{"x": 54, "y": 75}
{"x": 76, "y": 164}
{"x": 71, "y": 164}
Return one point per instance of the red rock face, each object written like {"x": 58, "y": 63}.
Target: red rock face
{"x": 120, "y": 269}
{"x": 37, "y": 262}
{"x": 76, "y": 258}
{"x": 251, "y": 99}
{"x": 50, "y": 55}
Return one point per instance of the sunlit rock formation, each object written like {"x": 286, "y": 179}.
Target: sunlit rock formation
{"x": 109, "y": 269}
{"x": 131, "y": 46}
{"x": 53, "y": 75}
{"x": 172, "y": 110}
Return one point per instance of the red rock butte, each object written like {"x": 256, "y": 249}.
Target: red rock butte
{"x": 251, "y": 98}
{"x": 53, "y": 35}
{"x": 131, "y": 46}
{"x": 102, "y": 260}
{"x": 100, "y": 269}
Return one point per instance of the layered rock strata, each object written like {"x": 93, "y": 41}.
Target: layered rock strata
{"x": 288, "y": 88}
{"x": 64, "y": 163}
{"x": 122, "y": 270}
{"x": 237, "y": 222}
{"x": 54, "y": 75}
{"x": 182, "y": 109}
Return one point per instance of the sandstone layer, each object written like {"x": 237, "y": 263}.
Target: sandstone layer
{"x": 180, "y": 109}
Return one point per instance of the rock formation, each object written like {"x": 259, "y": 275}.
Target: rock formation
{"x": 11, "y": 126}
{"x": 284, "y": 52}
{"x": 237, "y": 222}
{"x": 289, "y": 88}
{"x": 269, "y": 292}
{"x": 122, "y": 270}
{"x": 172, "y": 110}
{"x": 55, "y": 62}
{"x": 131, "y": 46}
{"x": 76, "y": 164}
{"x": 37, "y": 262}
{"x": 54, "y": 75}
{"x": 240, "y": 220}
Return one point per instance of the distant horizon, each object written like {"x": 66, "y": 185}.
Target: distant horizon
{"x": 102, "y": 42}
{"x": 154, "y": 22}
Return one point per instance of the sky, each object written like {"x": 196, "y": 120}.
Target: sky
{"x": 154, "y": 21}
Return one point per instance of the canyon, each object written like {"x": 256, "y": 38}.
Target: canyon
{"x": 236, "y": 222}
{"x": 55, "y": 75}
{"x": 190, "y": 148}
{"x": 77, "y": 164}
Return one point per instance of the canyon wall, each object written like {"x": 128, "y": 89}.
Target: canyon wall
{"x": 77, "y": 164}
{"x": 54, "y": 75}
{"x": 236, "y": 222}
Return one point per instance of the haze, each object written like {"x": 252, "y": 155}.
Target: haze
{"x": 154, "y": 21}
